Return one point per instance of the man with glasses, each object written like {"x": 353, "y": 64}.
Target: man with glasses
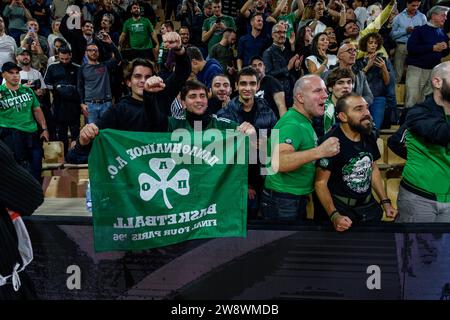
{"x": 346, "y": 60}
{"x": 281, "y": 63}
{"x": 94, "y": 81}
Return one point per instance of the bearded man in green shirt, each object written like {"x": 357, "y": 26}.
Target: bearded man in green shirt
{"x": 424, "y": 194}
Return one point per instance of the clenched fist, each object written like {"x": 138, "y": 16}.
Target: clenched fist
{"x": 329, "y": 148}
{"x": 154, "y": 84}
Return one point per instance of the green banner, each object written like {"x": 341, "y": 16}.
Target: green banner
{"x": 155, "y": 189}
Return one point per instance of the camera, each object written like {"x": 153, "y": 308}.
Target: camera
{"x": 380, "y": 55}
{"x": 219, "y": 20}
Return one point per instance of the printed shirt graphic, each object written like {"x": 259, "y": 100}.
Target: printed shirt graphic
{"x": 16, "y": 108}
{"x": 139, "y": 33}
{"x": 143, "y": 196}
{"x": 351, "y": 168}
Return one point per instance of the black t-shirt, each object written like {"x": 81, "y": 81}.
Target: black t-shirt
{"x": 249, "y": 116}
{"x": 268, "y": 87}
{"x": 351, "y": 168}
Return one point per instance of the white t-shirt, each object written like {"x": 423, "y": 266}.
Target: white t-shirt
{"x": 332, "y": 60}
{"x": 8, "y": 49}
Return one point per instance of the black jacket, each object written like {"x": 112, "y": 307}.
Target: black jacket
{"x": 19, "y": 192}
{"x": 148, "y": 116}
{"x": 428, "y": 120}
{"x": 264, "y": 119}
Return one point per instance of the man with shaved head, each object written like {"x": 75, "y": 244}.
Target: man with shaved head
{"x": 424, "y": 194}
{"x": 293, "y": 159}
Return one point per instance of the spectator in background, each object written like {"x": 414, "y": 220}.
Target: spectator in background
{"x": 116, "y": 21}
{"x": 213, "y": 26}
{"x": 8, "y": 46}
{"x": 402, "y": 27}
{"x": 190, "y": 16}
{"x": 58, "y": 8}
{"x": 93, "y": 81}
{"x": 204, "y": 70}
{"x": 281, "y": 62}
{"x": 320, "y": 61}
{"x": 256, "y": 7}
{"x": 220, "y": 93}
{"x": 137, "y": 30}
{"x": 427, "y": 45}
{"x": 185, "y": 37}
{"x": 361, "y": 13}
{"x": 61, "y": 78}
{"x": 283, "y": 13}
{"x": 41, "y": 12}
{"x": 377, "y": 70}
{"x": 346, "y": 59}
{"x": 105, "y": 25}
{"x": 18, "y": 15}
{"x": 51, "y": 37}
{"x": 20, "y": 114}
{"x": 223, "y": 52}
{"x": 253, "y": 43}
{"x": 270, "y": 89}
{"x": 33, "y": 35}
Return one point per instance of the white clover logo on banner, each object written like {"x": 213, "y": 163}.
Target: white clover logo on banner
{"x": 163, "y": 167}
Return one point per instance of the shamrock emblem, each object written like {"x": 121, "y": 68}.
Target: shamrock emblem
{"x": 163, "y": 167}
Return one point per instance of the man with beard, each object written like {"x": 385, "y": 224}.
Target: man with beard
{"x": 285, "y": 194}
{"x": 137, "y": 29}
{"x": 424, "y": 194}
{"x": 220, "y": 93}
{"x": 344, "y": 181}
{"x": 94, "y": 81}
{"x": 61, "y": 79}
{"x": 270, "y": 89}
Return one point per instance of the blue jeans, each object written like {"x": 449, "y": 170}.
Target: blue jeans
{"x": 96, "y": 110}
{"x": 282, "y": 206}
{"x": 377, "y": 110}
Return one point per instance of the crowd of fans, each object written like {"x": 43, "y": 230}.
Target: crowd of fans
{"x": 95, "y": 58}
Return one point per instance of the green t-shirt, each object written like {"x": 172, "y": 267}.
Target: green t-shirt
{"x": 290, "y": 20}
{"x": 139, "y": 32}
{"x": 16, "y": 108}
{"x": 217, "y": 36}
{"x": 428, "y": 166}
{"x": 295, "y": 129}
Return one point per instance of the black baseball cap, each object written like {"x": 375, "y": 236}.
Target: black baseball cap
{"x": 9, "y": 66}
